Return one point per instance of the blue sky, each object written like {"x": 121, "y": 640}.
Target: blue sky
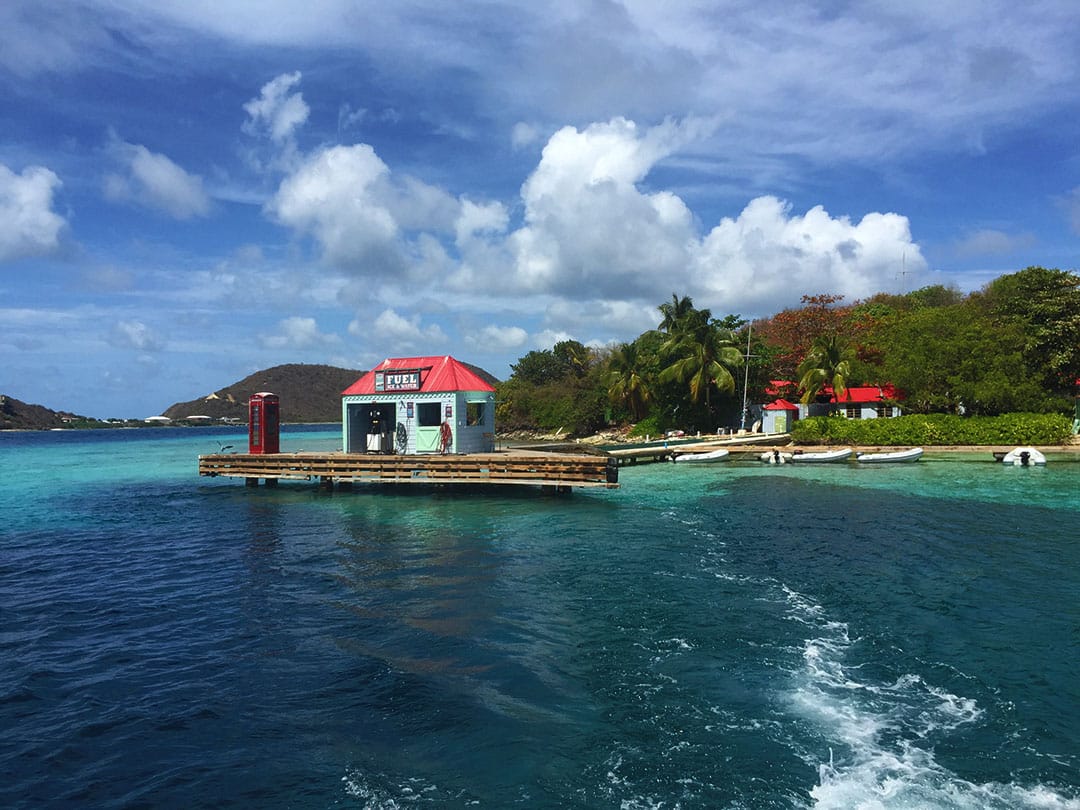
{"x": 194, "y": 190}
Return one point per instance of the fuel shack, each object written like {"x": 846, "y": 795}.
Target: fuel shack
{"x": 416, "y": 405}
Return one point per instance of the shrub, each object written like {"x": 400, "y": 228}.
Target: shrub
{"x": 935, "y": 429}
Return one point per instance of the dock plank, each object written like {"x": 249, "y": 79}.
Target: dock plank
{"x": 506, "y": 467}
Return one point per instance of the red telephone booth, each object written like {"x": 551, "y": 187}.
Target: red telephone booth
{"x": 263, "y": 424}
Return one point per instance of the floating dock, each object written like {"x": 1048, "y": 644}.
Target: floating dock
{"x": 556, "y": 471}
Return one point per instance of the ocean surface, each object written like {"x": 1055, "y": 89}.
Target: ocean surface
{"x": 727, "y": 636}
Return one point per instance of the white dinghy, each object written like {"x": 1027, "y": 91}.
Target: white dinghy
{"x": 775, "y": 457}
{"x": 824, "y": 457}
{"x": 701, "y": 458}
{"x": 1024, "y": 457}
{"x": 894, "y": 456}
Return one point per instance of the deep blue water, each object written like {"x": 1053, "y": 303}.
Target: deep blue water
{"x": 730, "y": 636}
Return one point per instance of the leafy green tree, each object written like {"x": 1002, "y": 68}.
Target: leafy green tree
{"x": 674, "y": 311}
{"x": 702, "y": 354}
{"x": 1046, "y": 305}
{"x": 827, "y": 363}
{"x": 575, "y": 357}
{"x": 954, "y": 360}
{"x": 539, "y": 367}
{"x": 627, "y": 380}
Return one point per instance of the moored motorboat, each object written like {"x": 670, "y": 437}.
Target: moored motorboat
{"x": 1024, "y": 457}
{"x": 911, "y": 454}
{"x": 712, "y": 455}
{"x": 823, "y": 457}
{"x": 775, "y": 457}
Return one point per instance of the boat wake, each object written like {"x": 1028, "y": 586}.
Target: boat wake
{"x": 879, "y": 736}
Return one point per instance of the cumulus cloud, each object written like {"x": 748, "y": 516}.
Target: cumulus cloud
{"x": 153, "y": 180}
{"x": 28, "y": 225}
{"x": 277, "y": 112}
{"x": 134, "y": 335}
{"x": 589, "y": 225}
{"x": 367, "y": 221}
{"x": 767, "y": 256}
{"x": 400, "y": 332}
{"x": 298, "y": 332}
{"x": 593, "y": 232}
{"x": 338, "y": 197}
{"x": 593, "y": 236}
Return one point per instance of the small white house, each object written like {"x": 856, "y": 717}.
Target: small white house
{"x": 415, "y": 405}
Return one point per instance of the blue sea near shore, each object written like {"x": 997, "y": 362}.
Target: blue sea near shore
{"x": 728, "y": 636}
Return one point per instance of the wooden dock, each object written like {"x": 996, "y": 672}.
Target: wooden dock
{"x": 512, "y": 467}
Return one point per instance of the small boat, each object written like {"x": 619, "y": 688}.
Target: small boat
{"x": 912, "y": 454}
{"x": 823, "y": 457}
{"x": 1024, "y": 457}
{"x": 775, "y": 457}
{"x": 712, "y": 455}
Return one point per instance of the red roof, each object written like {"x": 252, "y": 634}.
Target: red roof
{"x": 436, "y": 374}
{"x": 855, "y": 393}
{"x": 865, "y": 393}
{"x": 781, "y": 405}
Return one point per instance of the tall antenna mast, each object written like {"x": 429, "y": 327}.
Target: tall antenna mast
{"x": 746, "y": 373}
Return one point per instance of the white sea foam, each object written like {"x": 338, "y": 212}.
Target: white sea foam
{"x": 882, "y": 759}
{"x": 386, "y": 796}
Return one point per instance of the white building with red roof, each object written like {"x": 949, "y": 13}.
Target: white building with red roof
{"x": 413, "y": 405}
{"x": 858, "y": 402}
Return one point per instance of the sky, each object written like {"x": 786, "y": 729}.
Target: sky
{"x": 193, "y": 190}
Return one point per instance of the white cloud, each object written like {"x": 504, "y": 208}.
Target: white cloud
{"x": 28, "y": 225}
{"x": 480, "y": 218}
{"x": 547, "y": 338}
{"x": 298, "y": 332}
{"x": 338, "y": 197}
{"x": 596, "y": 244}
{"x": 369, "y": 222}
{"x": 134, "y": 335}
{"x": 588, "y": 224}
{"x": 155, "y": 181}
{"x": 497, "y": 338}
{"x": 991, "y": 242}
{"x": 277, "y": 112}
{"x": 398, "y": 333}
{"x": 766, "y": 258}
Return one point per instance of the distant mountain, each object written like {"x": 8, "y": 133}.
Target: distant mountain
{"x": 17, "y": 415}
{"x": 308, "y": 393}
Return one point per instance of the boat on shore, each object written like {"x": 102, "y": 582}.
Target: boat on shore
{"x": 775, "y": 457}
{"x": 823, "y": 457}
{"x": 893, "y": 456}
{"x": 702, "y": 458}
{"x": 1024, "y": 457}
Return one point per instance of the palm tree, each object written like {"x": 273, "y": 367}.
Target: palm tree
{"x": 675, "y": 311}
{"x": 828, "y": 362}
{"x": 704, "y": 355}
{"x": 626, "y": 381}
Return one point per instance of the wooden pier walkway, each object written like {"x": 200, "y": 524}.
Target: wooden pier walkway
{"x": 516, "y": 467}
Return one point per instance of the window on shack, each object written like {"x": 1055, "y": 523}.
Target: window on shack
{"x": 474, "y": 413}
{"x": 429, "y": 414}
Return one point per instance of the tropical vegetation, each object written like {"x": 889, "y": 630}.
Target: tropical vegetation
{"x": 1012, "y": 347}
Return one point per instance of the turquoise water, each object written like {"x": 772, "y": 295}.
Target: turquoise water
{"x": 728, "y": 636}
